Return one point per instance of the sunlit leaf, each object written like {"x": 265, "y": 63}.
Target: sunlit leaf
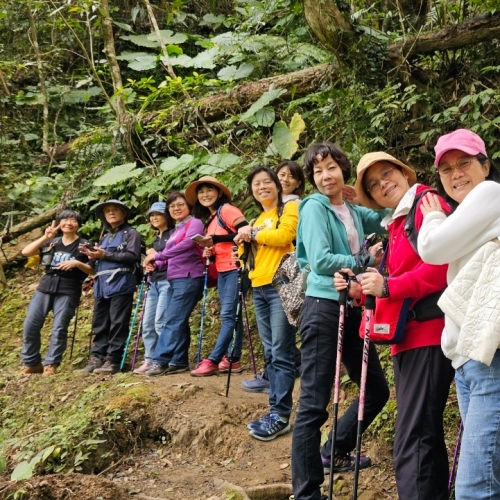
{"x": 123, "y": 26}
{"x": 168, "y": 37}
{"x": 205, "y": 59}
{"x": 143, "y": 63}
{"x": 235, "y": 72}
{"x": 118, "y": 174}
{"x": 183, "y": 60}
{"x": 172, "y": 163}
{"x": 222, "y": 160}
{"x": 297, "y": 126}
{"x": 209, "y": 170}
{"x": 262, "y": 101}
{"x": 23, "y": 471}
{"x": 141, "y": 40}
{"x": 283, "y": 140}
{"x": 264, "y": 117}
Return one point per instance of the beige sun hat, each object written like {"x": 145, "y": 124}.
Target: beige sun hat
{"x": 190, "y": 192}
{"x": 365, "y": 163}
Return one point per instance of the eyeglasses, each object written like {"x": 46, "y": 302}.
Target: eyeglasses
{"x": 384, "y": 176}
{"x": 461, "y": 164}
{"x": 177, "y": 205}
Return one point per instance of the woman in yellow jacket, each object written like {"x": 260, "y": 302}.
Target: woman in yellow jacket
{"x": 272, "y": 235}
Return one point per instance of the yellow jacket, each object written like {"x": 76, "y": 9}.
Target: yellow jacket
{"x": 273, "y": 243}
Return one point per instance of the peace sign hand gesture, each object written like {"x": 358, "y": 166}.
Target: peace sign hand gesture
{"x": 51, "y": 231}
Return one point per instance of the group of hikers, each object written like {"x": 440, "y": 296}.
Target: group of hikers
{"x": 449, "y": 242}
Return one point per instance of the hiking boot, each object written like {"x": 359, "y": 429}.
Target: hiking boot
{"x": 156, "y": 370}
{"x": 271, "y": 428}
{"x": 176, "y": 369}
{"x": 258, "y": 422}
{"x": 235, "y": 367}
{"x": 31, "y": 370}
{"x": 92, "y": 365}
{"x": 108, "y": 368}
{"x": 147, "y": 365}
{"x": 344, "y": 463}
{"x": 205, "y": 368}
{"x": 258, "y": 384}
{"x": 49, "y": 370}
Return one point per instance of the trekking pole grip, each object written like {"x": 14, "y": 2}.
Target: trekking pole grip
{"x": 343, "y": 293}
{"x": 370, "y": 302}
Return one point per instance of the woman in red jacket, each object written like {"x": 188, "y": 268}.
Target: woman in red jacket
{"x": 421, "y": 371}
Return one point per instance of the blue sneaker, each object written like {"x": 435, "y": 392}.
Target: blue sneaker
{"x": 344, "y": 463}
{"x": 259, "y": 421}
{"x": 258, "y": 384}
{"x": 271, "y": 428}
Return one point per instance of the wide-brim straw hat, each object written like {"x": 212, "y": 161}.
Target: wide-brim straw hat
{"x": 190, "y": 192}
{"x": 365, "y": 163}
{"x": 99, "y": 209}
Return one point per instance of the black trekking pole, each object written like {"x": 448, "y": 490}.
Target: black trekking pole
{"x": 74, "y": 334}
{"x": 238, "y": 312}
{"x": 451, "y": 480}
{"x": 338, "y": 361}
{"x": 369, "y": 309}
{"x": 203, "y": 305}
{"x": 249, "y": 335}
{"x": 139, "y": 330}
{"x": 244, "y": 259}
{"x": 132, "y": 325}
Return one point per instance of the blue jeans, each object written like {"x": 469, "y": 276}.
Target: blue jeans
{"x": 63, "y": 307}
{"x": 227, "y": 285}
{"x": 278, "y": 338}
{"x": 172, "y": 347}
{"x": 319, "y": 320}
{"x": 155, "y": 314}
{"x": 478, "y": 390}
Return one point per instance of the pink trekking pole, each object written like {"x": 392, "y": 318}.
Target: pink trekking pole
{"x": 369, "y": 309}
{"x": 338, "y": 361}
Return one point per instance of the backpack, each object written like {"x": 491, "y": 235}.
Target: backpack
{"x": 410, "y": 230}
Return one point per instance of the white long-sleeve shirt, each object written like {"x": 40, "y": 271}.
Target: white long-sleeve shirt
{"x": 454, "y": 239}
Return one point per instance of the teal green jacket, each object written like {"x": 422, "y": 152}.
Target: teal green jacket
{"x": 322, "y": 241}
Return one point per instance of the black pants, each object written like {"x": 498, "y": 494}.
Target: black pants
{"x": 319, "y": 320}
{"x": 423, "y": 377}
{"x": 110, "y": 326}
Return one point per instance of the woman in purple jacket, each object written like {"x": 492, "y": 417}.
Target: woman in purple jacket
{"x": 184, "y": 268}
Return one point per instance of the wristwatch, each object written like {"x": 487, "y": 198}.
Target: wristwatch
{"x": 385, "y": 289}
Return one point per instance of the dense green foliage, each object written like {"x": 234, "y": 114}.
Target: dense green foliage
{"x": 213, "y": 47}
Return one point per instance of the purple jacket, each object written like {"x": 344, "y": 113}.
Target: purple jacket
{"x": 180, "y": 255}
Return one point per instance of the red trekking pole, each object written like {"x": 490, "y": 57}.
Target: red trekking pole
{"x": 338, "y": 361}
{"x": 369, "y": 309}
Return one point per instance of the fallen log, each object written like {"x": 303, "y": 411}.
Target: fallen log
{"x": 217, "y": 107}
{"x": 28, "y": 225}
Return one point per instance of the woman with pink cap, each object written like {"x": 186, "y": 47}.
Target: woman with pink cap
{"x": 469, "y": 180}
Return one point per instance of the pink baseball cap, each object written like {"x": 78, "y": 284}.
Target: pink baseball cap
{"x": 461, "y": 139}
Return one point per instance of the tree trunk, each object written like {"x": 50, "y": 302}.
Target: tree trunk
{"x": 470, "y": 32}
{"x": 116, "y": 76}
{"x": 328, "y": 24}
{"x": 217, "y": 107}
{"x": 332, "y": 29}
{"x": 43, "y": 86}
{"x": 29, "y": 225}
